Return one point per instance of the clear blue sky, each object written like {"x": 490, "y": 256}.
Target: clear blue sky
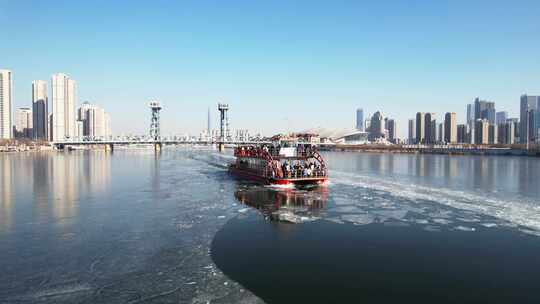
{"x": 279, "y": 64}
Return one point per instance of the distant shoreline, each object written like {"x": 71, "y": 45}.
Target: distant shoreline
{"x": 445, "y": 150}
{"x": 370, "y": 148}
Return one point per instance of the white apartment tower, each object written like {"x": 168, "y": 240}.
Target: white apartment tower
{"x": 23, "y": 123}
{"x": 63, "y": 108}
{"x": 6, "y": 101}
{"x": 107, "y": 132}
{"x": 40, "y": 110}
{"x": 96, "y": 122}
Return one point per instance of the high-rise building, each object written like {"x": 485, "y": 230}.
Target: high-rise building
{"x": 96, "y": 122}
{"x": 63, "y": 107}
{"x": 501, "y": 117}
{"x": 527, "y": 103}
{"x": 376, "y": 129}
{"x": 450, "y": 128}
{"x": 470, "y": 123}
{"x": 484, "y": 110}
{"x": 40, "y": 110}
{"x": 538, "y": 115}
{"x": 506, "y": 132}
{"x": 430, "y": 125}
{"x": 208, "y": 122}
{"x": 537, "y": 119}
{"x": 360, "y": 119}
{"x": 367, "y": 124}
{"x": 82, "y": 115}
{"x": 79, "y": 129}
{"x": 440, "y": 133}
{"x": 532, "y": 130}
{"x": 462, "y": 134}
{"x": 481, "y": 136}
{"x": 412, "y": 131}
{"x": 470, "y": 115}
{"x": 108, "y": 131}
{"x": 6, "y": 101}
{"x": 392, "y": 131}
{"x": 516, "y": 123}
{"x": 420, "y": 128}
{"x": 492, "y": 134}
{"x": 50, "y": 127}
{"x": 23, "y": 123}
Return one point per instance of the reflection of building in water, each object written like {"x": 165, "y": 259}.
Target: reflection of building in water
{"x": 65, "y": 170}
{"x": 377, "y": 163}
{"x": 6, "y": 189}
{"x": 421, "y": 165}
{"x": 41, "y": 164}
{"x": 483, "y": 172}
{"x": 268, "y": 201}
{"x": 451, "y": 168}
{"x": 96, "y": 175}
{"x": 78, "y": 174}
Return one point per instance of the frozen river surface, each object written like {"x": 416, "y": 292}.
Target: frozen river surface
{"x": 130, "y": 227}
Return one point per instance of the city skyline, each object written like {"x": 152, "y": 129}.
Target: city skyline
{"x": 305, "y": 64}
{"x": 88, "y": 122}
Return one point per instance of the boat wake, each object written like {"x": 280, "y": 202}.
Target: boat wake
{"x": 217, "y": 160}
{"x": 523, "y": 213}
{"x": 276, "y": 186}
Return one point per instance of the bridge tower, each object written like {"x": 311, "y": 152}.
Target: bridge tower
{"x": 224, "y": 125}
{"x": 155, "y": 106}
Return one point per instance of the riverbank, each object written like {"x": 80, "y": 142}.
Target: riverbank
{"x": 19, "y": 149}
{"x": 24, "y": 145}
{"x": 513, "y": 150}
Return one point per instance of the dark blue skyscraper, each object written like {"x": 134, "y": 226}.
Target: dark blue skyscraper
{"x": 484, "y": 110}
{"x": 360, "y": 119}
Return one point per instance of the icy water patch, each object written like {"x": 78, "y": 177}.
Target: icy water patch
{"x": 423, "y": 204}
{"x": 145, "y": 241}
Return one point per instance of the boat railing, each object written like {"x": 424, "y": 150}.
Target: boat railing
{"x": 274, "y": 152}
{"x": 295, "y": 173}
{"x": 300, "y": 174}
{"x": 274, "y": 169}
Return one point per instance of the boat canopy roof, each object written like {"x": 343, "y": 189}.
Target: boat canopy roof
{"x": 276, "y": 151}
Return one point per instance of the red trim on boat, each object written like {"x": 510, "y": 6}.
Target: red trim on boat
{"x": 280, "y": 181}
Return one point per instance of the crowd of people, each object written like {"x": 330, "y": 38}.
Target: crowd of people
{"x": 298, "y": 169}
{"x": 287, "y": 168}
{"x": 273, "y": 150}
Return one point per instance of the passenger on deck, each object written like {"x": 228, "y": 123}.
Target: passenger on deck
{"x": 304, "y": 172}
{"x": 300, "y": 150}
{"x": 278, "y": 169}
{"x": 318, "y": 169}
{"x": 286, "y": 169}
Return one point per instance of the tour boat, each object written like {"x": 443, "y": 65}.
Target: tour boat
{"x": 275, "y": 165}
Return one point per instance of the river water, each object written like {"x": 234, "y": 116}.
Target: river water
{"x": 133, "y": 227}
